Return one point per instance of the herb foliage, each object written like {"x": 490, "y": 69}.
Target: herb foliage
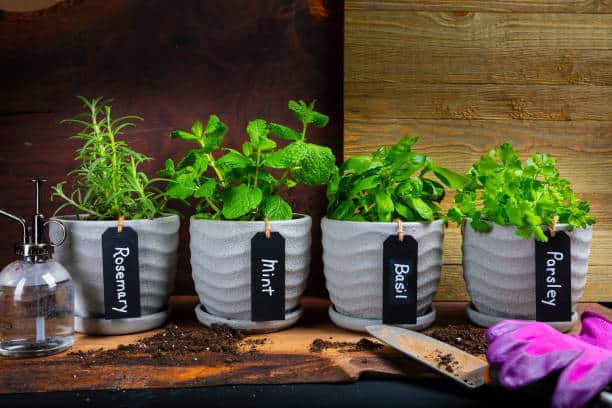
{"x": 390, "y": 184}
{"x": 106, "y": 182}
{"x": 248, "y": 185}
{"x": 504, "y": 190}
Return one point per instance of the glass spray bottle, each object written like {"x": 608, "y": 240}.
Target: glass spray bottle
{"x": 36, "y": 294}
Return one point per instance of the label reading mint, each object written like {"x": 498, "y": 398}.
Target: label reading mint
{"x": 553, "y": 278}
{"x": 400, "y": 280}
{"x": 267, "y": 277}
{"x": 121, "y": 273}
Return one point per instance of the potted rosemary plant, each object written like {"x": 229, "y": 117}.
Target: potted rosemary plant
{"x": 240, "y": 215}
{"x": 523, "y": 229}
{"x": 121, "y": 246}
{"x": 373, "y": 199}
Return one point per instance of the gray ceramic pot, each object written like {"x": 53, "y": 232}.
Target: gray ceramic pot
{"x": 352, "y": 259}
{"x": 81, "y": 254}
{"x": 221, "y": 267}
{"x": 499, "y": 272}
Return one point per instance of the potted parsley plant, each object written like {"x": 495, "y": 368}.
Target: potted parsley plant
{"x": 109, "y": 195}
{"x": 506, "y": 210}
{"x": 237, "y": 194}
{"x": 369, "y": 198}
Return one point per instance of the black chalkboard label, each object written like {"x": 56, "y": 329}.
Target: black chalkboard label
{"x": 121, "y": 273}
{"x": 400, "y": 280}
{"x": 267, "y": 277}
{"x": 553, "y": 278}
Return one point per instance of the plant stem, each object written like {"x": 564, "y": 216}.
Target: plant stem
{"x": 257, "y": 168}
{"x": 211, "y": 161}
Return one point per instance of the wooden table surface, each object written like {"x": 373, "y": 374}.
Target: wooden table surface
{"x": 284, "y": 358}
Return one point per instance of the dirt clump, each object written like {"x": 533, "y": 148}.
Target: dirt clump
{"x": 318, "y": 345}
{"x": 445, "y": 361}
{"x": 465, "y": 337}
{"x": 172, "y": 341}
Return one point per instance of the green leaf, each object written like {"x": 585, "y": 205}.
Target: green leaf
{"x": 206, "y": 189}
{"x": 405, "y": 212}
{"x": 450, "y": 178}
{"x": 366, "y": 183}
{"x": 181, "y": 188}
{"x": 181, "y": 134}
{"x": 307, "y": 115}
{"x": 233, "y": 159}
{"x": 384, "y": 203}
{"x": 275, "y": 208}
{"x": 168, "y": 170}
{"x": 284, "y": 132}
{"x": 287, "y": 156}
{"x": 344, "y": 211}
{"x": 422, "y": 208}
{"x": 196, "y": 129}
{"x": 239, "y": 200}
{"x": 214, "y": 133}
{"x": 257, "y": 130}
{"x": 316, "y": 167}
{"x": 357, "y": 164}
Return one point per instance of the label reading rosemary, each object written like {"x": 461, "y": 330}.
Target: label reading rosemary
{"x": 267, "y": 277}
{"x": 400, "y": 280}
{"x": 121, "y": 273}
{"x": 553, "y": 278}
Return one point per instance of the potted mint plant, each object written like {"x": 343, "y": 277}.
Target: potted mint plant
{"x": 121, "y": 246}
{"x": 237, "y": 197}
{"x": 370, "y": 199}
{"x": 510, "y": 213}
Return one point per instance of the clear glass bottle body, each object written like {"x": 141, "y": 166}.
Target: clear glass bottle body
{"x": 36, "y": 309}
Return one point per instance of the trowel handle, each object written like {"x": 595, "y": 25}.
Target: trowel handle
{"x": 22, "y": 221}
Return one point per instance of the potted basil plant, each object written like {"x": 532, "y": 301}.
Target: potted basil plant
{"x": 121, "y": 247}
{"x": 238, "y": 196}
{"x": 514, "y": 215}
{"x": 370, "y": 199}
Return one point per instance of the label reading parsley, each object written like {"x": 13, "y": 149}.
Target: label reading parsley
{"x": 553, "y": 278}
{"x": 400, "y": 280}
{"x": 267, "y": 277}
{"x": 121, "y": 273}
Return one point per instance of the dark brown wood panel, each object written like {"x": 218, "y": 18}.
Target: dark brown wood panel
{"x": 171, "y": 63}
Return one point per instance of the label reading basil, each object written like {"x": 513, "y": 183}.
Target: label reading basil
{"x": 267, "y": 277}
{"x": 121, "y": 273}
{"x": 400, "y": 280}
{"x": 553, "y": 278}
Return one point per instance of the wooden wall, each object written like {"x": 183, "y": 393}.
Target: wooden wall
{"x": 466, "y": 76}
{"x": 172, "y": 63}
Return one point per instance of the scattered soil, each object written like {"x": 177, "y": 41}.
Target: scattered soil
{"x": 171, "y": 342}
{"x": 468, "y": 338}
{"x": 445, "y": 361}
{"x": 318, "y": 345}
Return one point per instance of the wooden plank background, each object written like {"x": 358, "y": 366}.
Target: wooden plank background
{"x": 466, "y": 76}
{"x": 171, "y": 63}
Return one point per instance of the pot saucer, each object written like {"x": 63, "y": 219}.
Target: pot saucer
{"x": 291, "y": 317}
{"x": 486, "y": 320}
{"x": 112, "y": 327}
{"x": 359, "y": 324}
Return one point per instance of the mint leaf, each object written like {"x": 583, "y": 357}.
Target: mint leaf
{"x": 182, "y": 187}
{"x": 196, "y": 129}
{"x": 284, "y": 132}
{"x": 233, "y": 159}
{"x": 214, "y": 133}
{"x": 285, "y": 157}
{"x": 257, "y": 130}
{"x": 206, "y": 189}
{"x": 275, "y": 208}
{"x": 316, "y": 167}
{"x": 181, "y": 134}
{"x": 239, "y": 200}
{"x": 307, "y": 115}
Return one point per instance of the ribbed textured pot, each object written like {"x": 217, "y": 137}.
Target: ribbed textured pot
{"x": 81, "y": 254}
{"x": 499, "y": 269}
{"x": 353, "y": 262}
{"x": 221, "y": 262}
